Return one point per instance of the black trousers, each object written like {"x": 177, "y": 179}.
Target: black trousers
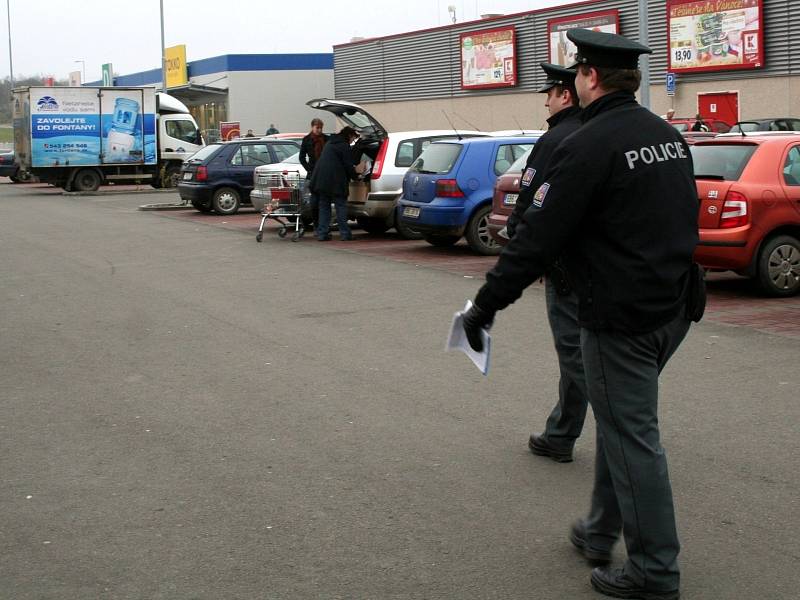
{"x": 632, "y": 491}
{"x": 565, "y": 423}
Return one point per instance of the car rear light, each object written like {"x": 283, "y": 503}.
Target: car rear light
{"x": 734, "y": 211}
{"x": 202, "y": 174}
{"x": 377, "y": 166}
{"x": 448, "y": 188}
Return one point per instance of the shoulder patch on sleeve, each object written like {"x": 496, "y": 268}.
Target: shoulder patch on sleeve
{"x": 538, "y": 197}
{"x": 527, "y": 177}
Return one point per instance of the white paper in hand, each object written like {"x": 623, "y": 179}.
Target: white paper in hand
{"x": 457, "y": 340}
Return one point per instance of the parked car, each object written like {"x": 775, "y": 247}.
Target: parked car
{"x": 504, "y": 198}
{"x": 749, "y": 190}
{"x": 447, "y": 192}
{"x": 685, "y": 124}
{"x": 8, "y": 168}
{"x": 220, "y": 176}
{"x": 692, "y": 137}
{"x": 372, "y": 202}
{"x": 774, "y": 124}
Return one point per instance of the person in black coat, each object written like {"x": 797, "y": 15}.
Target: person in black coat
{"x": 331, "y": 182}
{"x": 565, "y": 423}
{"x": 310, "y": 151}
{"x": 619, "y": 206}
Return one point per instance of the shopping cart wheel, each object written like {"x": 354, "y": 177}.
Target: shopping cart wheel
{"x": 259, "y": 236}
{"x": 301, "y": 232}
{"x": 282, "y": 232}
{"x": 295, "y": 237}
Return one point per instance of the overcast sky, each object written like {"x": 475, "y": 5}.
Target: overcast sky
{"x": 48, "y": 37}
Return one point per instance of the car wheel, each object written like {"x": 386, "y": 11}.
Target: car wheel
{"x": 442, "y": 241}
{"x": 86, "y": 180}
{"x": 478, "y": 236}
{"x": 406, "y": 231}
{"x": 373, "y": 226}
{"x": 203, "y": 208}
{"x": 779, "y": 266}
{"x": 226, "y": 201}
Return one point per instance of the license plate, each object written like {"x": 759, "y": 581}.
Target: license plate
{"x": 510, "y": 199}
{"x": 411, "y": 211}
{"x": 187, "y": 175}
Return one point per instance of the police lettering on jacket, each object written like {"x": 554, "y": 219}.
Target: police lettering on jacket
{"x": 650, "y": 154}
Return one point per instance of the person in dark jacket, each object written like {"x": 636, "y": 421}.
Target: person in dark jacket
{"x": 310, "y": 151}
{"x": 565, "y": 423}
{"x": 331, "y": 182}
{"x": 619, "y": 206}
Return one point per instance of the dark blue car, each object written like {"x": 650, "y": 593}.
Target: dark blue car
{"x": 447, "y": 191}
{"x": 220, "y": 176}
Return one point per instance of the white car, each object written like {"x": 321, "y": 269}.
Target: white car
{"x": 372, "y": 202}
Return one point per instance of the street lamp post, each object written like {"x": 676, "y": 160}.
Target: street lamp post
{"x": 10, "y": 62}
{"x": 163, "y": 53}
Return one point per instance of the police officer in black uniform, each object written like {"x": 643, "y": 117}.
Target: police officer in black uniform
{"x": 565, "y": 422}
{"x": 619, "y": 207}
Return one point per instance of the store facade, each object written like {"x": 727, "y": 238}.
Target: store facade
{"x": 253, "y": 89}
{"x": 728, "y": 59}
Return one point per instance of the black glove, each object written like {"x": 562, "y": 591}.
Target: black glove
{"x": 476, "y": 319}
{"x": 511, "y": 225}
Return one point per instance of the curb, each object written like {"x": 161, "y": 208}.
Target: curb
{"x": 112, "y": 192}
{"x": 165, "y": 206}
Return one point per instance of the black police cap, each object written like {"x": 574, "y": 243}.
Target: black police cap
{"x": 556, "y": 76}
{"x": 600, "y": 49}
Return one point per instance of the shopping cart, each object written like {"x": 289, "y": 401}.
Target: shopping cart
{"x": 285, "y": 204}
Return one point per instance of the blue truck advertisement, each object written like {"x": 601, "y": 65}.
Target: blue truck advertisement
{"x": 86, "y": 126}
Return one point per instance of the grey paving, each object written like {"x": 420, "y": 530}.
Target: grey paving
{"x": 186, "y": 414}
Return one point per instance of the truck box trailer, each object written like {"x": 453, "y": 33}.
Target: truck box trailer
{"x": 81, "y": 137}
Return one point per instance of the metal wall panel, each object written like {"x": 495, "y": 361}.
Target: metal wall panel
{"x": 426, "y": 64}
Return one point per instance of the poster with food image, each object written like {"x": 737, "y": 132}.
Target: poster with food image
{"x": 715, "y": 35}
{"x": 488, "y": 58}
{"x": 562, "y": 51}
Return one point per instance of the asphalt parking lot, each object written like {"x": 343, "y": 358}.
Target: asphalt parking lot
{"x": 189, "y": 414}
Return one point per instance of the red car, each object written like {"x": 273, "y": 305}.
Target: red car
{"x": 749, "y": 191}
{"x": 506, "y": 192}
{"x": 716, "y": 125}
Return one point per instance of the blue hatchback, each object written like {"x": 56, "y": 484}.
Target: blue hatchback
{"x": 447, "y": 191}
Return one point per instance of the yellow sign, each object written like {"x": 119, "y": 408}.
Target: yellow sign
{"x": 175, "y": 57}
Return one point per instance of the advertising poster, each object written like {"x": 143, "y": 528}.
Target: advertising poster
{"x": 74, "y": 127}
{"x": 175, "y": 58}
{"x": 715, "y": 35}
{"x": 229, "y": 130}
{"x": 562, "y": 51}
{"x": 128, "y": 127}
{"x": 488, "y": 59}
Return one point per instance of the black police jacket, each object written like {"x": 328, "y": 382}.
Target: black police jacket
{"x": 560, "y": 125}
{"x": 619, "y": 206}
{"x": 334, "y": 169}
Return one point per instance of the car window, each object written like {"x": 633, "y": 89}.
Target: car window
{"x": 507, "y": 154}
{"x": 283, "y": 151}
{"x": 720, "y": 161}
{"x": 791, "y": 168}
{"x": 251, "y": 155}
{"x": 405, "y": 152}
{"x": 206, "y": 152}
{"x": 680, "y": 126}
{"x": 183, "y": 130}
{"x": 437, "y": 158}
{"x": 520, "y": 163}
{"x": 794, "y": 124}
{"x": 745, "y": 126}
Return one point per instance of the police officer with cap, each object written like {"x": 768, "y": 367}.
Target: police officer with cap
{"x": 565, "y": 422}
{"x": 619, "y": 206}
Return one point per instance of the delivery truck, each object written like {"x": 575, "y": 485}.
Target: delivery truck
{"x": 79, "y": 138}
